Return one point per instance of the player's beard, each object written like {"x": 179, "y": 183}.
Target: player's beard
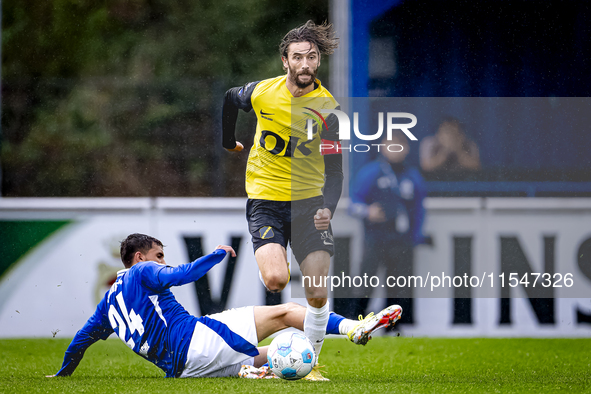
{"x": 295, "y": 80}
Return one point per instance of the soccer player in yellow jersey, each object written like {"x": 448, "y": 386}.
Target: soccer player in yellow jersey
{"x": 291, "y": 202}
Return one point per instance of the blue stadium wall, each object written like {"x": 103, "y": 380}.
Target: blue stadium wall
{"x": 458, "y": 48}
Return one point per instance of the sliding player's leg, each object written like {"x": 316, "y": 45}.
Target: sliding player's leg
{"x": 271, "y": 319}
{"x": 360, "y": 332}
{"x": 221, "y": 343}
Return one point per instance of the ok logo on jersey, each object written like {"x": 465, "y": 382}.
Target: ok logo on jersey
{"x": 276, "y": 145}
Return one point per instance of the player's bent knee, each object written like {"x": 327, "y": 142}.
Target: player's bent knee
{"x": 276, "y": 283}
{"x": 291, "y": 307}
{"x": 289, "y": 314}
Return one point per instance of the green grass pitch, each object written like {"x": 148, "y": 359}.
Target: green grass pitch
{"x": 386, "y": 365}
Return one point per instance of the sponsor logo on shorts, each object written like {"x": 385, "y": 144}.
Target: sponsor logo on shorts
{"x": 327, "y": 238}
{"x": 266, "y": 232}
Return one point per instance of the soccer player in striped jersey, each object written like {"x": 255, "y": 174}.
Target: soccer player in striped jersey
{"x": 144, "y": 313}
{"x": 293, "y": 185}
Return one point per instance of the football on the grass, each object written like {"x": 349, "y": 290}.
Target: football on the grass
{"x": 291, "y": 356}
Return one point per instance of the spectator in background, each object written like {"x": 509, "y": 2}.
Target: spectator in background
{"x": 388, "y": 195}
{"x": 449, "y": 150}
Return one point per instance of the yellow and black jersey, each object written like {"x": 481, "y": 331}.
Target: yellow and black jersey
{"x": 284, "y": 164}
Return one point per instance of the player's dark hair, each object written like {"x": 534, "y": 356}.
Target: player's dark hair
{"x": 134, "y": 243}
{"x": 323, "y": 36}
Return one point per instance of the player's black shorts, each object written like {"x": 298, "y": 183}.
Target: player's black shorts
{"x": 288, "y": 221}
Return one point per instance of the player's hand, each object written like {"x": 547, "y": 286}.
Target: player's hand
{"x": 376, "y": 213}
{"x": 228, "y": 249}
{"x": 322, "y": 219}
{"x": 238, "y": 148}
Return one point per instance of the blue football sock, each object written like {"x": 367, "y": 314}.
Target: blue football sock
{"x": 333, "y": 323}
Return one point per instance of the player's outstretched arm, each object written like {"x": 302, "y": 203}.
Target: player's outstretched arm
{"x": 227, "y": 248}
{"x": 97, "y": 327}
{"x": 165, "y": 276}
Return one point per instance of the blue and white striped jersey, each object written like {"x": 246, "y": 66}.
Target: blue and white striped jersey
{"x": 142, "y": 310}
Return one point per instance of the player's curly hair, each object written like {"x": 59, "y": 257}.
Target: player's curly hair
{"x": 134, "y": 243}
{"x": 323, "y": 36}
